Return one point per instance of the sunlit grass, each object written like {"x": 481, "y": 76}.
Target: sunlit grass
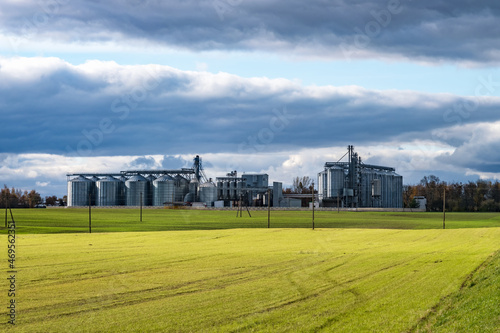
{"x": 333, "y": 280}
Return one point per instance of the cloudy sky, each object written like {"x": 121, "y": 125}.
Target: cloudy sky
{"x": 256, "y": 86}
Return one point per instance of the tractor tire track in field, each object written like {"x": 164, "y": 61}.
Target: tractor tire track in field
{"x": 320, "y": 291}
{"x": 115, "y": 300}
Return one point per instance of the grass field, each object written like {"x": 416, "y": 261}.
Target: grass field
{"x": 357, "y": 272}
{"x": 76, "y": 220}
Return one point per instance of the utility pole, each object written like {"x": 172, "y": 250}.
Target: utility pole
{"x": 268, "y": 208}
{"x": 444, "y": 207}
{"x": 313, "y": 202}
{"x": 140, "y": 200}
{"x": 338, "y": 203}
{"x": 90, "y": 213}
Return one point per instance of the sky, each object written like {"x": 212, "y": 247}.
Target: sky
{"x": 277, "y": 87}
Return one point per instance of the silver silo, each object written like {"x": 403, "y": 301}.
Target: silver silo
{"x": 181, "y": 188}
{"x": 109, "y": 191}
{"x": 163, "y": 190}
{"x": 335, "y": 181}
{"x": 208, "y": 193}
{"x": 149, "y": 196}
{"x": 194, "y": 185}
{"x": 78, "y": 191}
{"x": 136, "y": 186}
{"x": 93, "y": 190}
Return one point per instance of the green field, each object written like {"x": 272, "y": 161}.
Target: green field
{"x": 357, "y": 272}
{"x": 74, "y": 220}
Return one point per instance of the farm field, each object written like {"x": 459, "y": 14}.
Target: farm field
{"x": 76, "y": 220}
{"x": 240, "y": 280}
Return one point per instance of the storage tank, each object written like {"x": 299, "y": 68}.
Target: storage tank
{"x": 335, "y": 182}
{"x": 78, "y": 191}
{"x": 136, "y": 185}
{"x": 150, "y": 195}
{"x": 208, "y": 193}
{"x": 109, "y": 192}
{"x": 193, "y": 189}
{"x": 93, "y": 189}
{"x": 367, "y": 196}
{"x": 163, "y": 190}
{"x": 181, "y": 188}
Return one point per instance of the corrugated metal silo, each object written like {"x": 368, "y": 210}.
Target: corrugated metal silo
{"x": 335, "y": 182}
{"x": 193, "y": 189}
{"x": 78, "y": 191}
{"x": 150, "y": 195}
{"x": 109, "y": 191}
{"x": 208, "y": 193}
{"x": 181, "y": 188}
{"x": 136, "y": 185}
{"x": 163, "y": 190}
{"x": 94, "y": 180}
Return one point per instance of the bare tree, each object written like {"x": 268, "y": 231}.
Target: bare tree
{"x": 301, "y": 185}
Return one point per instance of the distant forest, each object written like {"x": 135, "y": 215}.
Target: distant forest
{"x": 479, "y": 196}
{"x": 16, "y": 198}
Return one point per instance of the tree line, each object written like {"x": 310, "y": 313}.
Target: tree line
{"x": 16, "y": 198}
{"x": 479, "y": 196}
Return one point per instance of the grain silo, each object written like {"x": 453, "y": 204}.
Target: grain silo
{"x": 149, "y": 196}
{"x": 181, "y": 187}
{"x": 163, "y": 190}
{"x": 137, "y": 187}
{"x": 356, "y": 184}
{"x": 110, "y": 191}
{"x": 79, "y": 189}
{"x": 208, "y": 193}
{"x": 194, "y": 185}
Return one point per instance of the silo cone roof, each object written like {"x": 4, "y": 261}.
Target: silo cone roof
{"x": 164, "y": 178}
{"x": 208, "y": 184}
{"x": 137, "y": 178}
{"x": 80, "y": 179}
{"x": 108, "y": 179}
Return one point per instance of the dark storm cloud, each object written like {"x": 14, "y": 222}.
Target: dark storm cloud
{"x": 481, "y": 152}
{"x": 101, "y": 108}
{"x": 466, "y": 31}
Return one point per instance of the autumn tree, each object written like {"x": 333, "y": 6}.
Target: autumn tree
{"x": 51, "y": 200}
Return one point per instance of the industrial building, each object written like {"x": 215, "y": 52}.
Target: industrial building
{"x": 166, "y": 187}
{"x": 349, "y": 184}
{"x": 354, "y": 184}
{"x": 141, "y": 187}
{"x": 251, "y": 189}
